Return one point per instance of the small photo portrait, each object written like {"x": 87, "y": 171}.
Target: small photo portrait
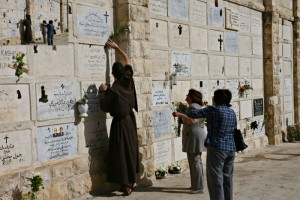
{"x": 61, "y": 131}
{"x": 55, "y": 131}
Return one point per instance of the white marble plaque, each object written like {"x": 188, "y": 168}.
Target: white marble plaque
{"x": 257, "y": 46}
{"x": 160, "y": 93}
{"x": 231, "y": 42}
{"x": 15, "y": 104}
{"x": 162, "y": 153}
{"x": 203, "y": 87}
{"x": 231, "y": 66}
{"x": 91, "y": 61}
{"x": 181, "y": 63}
{"x": 179, "y": 154}
{"x": 3, "y": 34}
{"x": 256, "y": 25}
{"x": 216, "y": 16}
{"x": 287, "y": 120}
{"x": 287, "y": 33}
{"x": 96, "y": 136}
{"x": 257, "y": 67}
{"x": 287, "y": 68}
{"x": 179, "y": 35}
{"x": 60, "y": 100}
{"x": 215, "y": 85}
{"x": 198, "y": 38}
{"x": 15, "y": 149}
{"x": 260, "y": 129}
{"x": 179, "y": 9}
{"x": 158, "y": 7}
{"x": 288, "y": 103}
{"x": 245, "y": 45}
{"x": 198, "y": 12}
{"x": 159, "y": 32}
{"x": 235, "y": 107}
{"x": 92, "y": 22}
{"x": 94, "y": 96}
{"x": 244, "y": 25}
{"x": 245, "y": 66}
{"x": 161, "y": 123}
{"x": 245, "y": 109}
{"x": 233, "y": 86}
{"x": 286, "y": 50}
{"x": 216, "y": 40}
{"x": 6, "y": 58}
{"x": 287, "y": 85}
{"x": 199, "y": 64}
{"x": 56, "y": 142}
{"x": 232, "y": 19}
{"x": 257, "y": 85}
{"x": 216, "y": 66}
{"x": 180, "y": 91}
{"x": 160, "y": 62}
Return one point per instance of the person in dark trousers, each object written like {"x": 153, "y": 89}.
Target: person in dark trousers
{"x": 119, "y": 101}
{"x": 50, "y": 32}
{"x": 221, "y": 124}
{"x": 28, "y": 31}
{"x": 44, "y": 30}
{"x": 193, "y": 137}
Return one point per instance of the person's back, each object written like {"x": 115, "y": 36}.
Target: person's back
{"x": 50, "y": 29}
{"x": 221, "y": 124}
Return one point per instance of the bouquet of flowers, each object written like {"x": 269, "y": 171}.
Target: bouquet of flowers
{"x": 182, "y": 108}
{"x": 161, "y": 173}
{"x": 124, "y": 27}
{"x": 18, "y": 65}
{"x": 175, "y": 169}
{"x": 244, "y": 88}
{"x": 35, "y": 182}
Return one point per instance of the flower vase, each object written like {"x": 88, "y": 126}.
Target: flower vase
{"x": 83, "y": 108}
{"x": 174, "y": 79}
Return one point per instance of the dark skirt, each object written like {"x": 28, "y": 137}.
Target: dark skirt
{"x": 123, "y": 158}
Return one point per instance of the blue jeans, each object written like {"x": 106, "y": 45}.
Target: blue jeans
{"x": 50, "y": 39}
{"x": 219, "y": 171}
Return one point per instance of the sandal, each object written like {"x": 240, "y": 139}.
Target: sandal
{"x": 126, "y": 192}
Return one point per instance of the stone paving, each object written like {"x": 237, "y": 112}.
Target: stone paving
{"x": 269, "y": 173}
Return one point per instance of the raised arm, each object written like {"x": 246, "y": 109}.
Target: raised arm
{"x": 184, "y": 117}
{"x": 113, "y": 45}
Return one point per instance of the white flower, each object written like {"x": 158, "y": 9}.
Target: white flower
{"x": 37, "y": 174}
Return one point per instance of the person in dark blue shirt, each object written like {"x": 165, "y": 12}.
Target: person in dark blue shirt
{"x": 221, "y": 125}
{"x": 50, "y": 32}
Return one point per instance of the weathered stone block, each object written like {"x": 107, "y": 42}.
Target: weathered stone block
{"x": 80, "y": 185}
{"x": 81, "y": 165}
{"x": 56, "y": 191}
{"x": 62, "y": 171}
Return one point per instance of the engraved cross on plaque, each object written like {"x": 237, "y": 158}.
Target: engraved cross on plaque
{"x": 180, "y": 29}
{"x": 6, "y": 138}
{"x": 220, "y": 40}
{"x": 106, "y": 15}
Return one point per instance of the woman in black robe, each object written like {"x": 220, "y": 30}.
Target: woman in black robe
{"x": 119, "y": 101}
{"x": 28, "y": 31}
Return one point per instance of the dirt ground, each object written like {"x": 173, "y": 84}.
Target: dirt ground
{"x": 269, "y": 173}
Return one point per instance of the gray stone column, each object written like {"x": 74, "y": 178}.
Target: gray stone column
{"x": 271, "y": 79}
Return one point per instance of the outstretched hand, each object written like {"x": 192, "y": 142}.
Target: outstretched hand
{"x": 111, "y": 44}
{"x": 103, "y": 88}
{"x": 176, "y": 114}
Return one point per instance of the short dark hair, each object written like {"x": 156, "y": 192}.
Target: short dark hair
{"x": 222, "y": 96}
{"x": 50, "y": 21}
{"x": 118, "y": 70}
{"x": 196, "y": 96}
{"x": 44, "y": 22}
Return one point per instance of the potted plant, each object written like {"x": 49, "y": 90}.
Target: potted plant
{"x": 82, "y": 105}
{"x": 293, "y": 133}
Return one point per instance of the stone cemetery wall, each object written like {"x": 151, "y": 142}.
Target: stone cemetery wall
{"x": 39, "y": 126}
{"x": 12, "y": 14}
{"x": 209, "y": 48}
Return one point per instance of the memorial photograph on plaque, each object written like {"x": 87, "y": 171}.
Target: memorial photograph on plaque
{"x": 258, "y": 107}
